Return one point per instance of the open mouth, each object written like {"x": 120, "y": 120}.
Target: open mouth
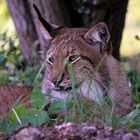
{"x": 63, "y": 88}
{"x": 67, "y": 87}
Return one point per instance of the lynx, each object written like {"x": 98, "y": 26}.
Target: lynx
{"x": 86, "y": 52}
{"x": 89, "y": 53}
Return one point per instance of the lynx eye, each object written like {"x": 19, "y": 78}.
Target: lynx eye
{"x": 50, "y": 60}
{"x": 74, "y": 58}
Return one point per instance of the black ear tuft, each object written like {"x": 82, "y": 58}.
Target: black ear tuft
{"x": 49, "y": 27}
{"x": 38, "y": 12}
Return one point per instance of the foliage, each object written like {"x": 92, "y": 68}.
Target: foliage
{"x": 20, "y": 116}
{"x": 131, "y": 121}
{"x": 134, "y": 77}
{"x": 14, "y": 69}
{"x": 13, "y": 63}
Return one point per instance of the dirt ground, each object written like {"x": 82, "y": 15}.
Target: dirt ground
{"x": 70, "y": 131}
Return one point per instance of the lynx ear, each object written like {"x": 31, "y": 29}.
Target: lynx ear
{"x": 46, "y": 35}
{"x": 45, "y": 27}
{"x": 98, "y": 33}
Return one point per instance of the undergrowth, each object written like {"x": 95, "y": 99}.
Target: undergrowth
{"x": 14, "y": 69}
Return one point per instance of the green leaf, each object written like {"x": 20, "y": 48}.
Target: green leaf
{"x": 37, "y": 98}
{"x": 130, "y": 117}
{"x": 10, "y": 123}
{"x": 136, "y": 126}
{"x": 57, "y": 106}
{"x": 35, "y": 117}
{"x": 3, "y": 126}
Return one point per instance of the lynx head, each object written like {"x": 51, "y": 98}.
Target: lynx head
{"x": 73, "y": 50}
{"x": 81, "y": 60}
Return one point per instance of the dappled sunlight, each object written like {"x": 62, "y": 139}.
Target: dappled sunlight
{"x": 130, "y": 45}
{"x": 6, "y": 22}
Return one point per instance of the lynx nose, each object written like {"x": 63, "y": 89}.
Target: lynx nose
{"x": 56, "y": 81}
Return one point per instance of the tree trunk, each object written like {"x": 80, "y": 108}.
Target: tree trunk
{"x": 88, "y": 13}
{"x": 25, "y": 27}
{"x": 25, "y": 21}
{"x": 72, "y": 13}
{"x": 115, "y": 19}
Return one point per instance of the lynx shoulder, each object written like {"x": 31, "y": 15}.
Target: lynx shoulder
{"x": 89, "y": 53}
{"x": 9, "y": 94}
